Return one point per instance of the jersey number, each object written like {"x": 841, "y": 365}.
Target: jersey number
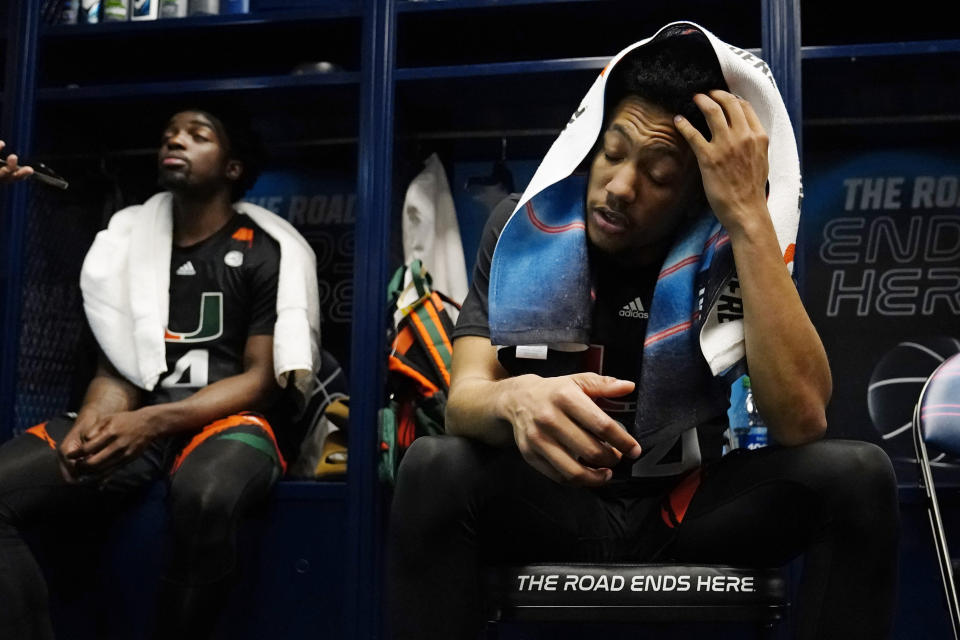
{"x": 192, "y": 370}
{"x": 654, "y": 461}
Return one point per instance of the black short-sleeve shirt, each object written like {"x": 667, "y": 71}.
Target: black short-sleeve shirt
{"x": 619, "y": 319}
{"x": 222, "y": 290}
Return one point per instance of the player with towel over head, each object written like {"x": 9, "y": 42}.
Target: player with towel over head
{"x": 608, "y": 320}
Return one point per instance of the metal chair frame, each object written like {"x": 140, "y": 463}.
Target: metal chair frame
{"x": 933, "y": 511}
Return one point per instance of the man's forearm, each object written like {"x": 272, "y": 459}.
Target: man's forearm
{"x": 108, "y": 394}
{"x": 473, "y": 411}
{"x": 246, "y": 391}
{"x": 788, "y": 366}
{"x": 789, "y": 372}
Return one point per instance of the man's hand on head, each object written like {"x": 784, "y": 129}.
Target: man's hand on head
{"x": 733, "y": 164}
{"x": 562, "y": 433}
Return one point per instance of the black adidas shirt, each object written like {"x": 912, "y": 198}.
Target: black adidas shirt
{"x": 619, "y": 323}
{"x": 222, "y": 290}
{"x": 618, "y": 327}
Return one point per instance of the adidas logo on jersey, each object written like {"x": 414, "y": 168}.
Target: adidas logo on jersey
{"x": 186, "y": 269}
{"x": 634, "y": 309}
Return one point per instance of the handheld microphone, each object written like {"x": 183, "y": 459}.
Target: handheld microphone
{"x": 44, "y": 174}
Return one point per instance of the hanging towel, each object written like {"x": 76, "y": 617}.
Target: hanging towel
{"x": 127, "y": 300}
{"x": 431, "y": 233}
{"x": 543, "y": 248}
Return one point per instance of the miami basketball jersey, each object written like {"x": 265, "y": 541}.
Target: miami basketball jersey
{"x": 222, "y": 290}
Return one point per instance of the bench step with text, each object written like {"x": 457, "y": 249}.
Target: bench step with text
{"x": 632, "y": 592}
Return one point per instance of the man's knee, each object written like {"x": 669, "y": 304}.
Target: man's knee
{"x": 862, "y": 466}
{"x": 439, "y": 481}
{"x": 197, "y": 507}
{"x": 861, "y": 485}
{"x": 439, "y": 458}
{"x": 27, "y": 463}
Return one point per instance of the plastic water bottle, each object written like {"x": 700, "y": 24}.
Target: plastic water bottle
{"x": 89, "y": 12}
{"x": 203, "y": 7}
{"x": 747, "y": 430}
{"x": 756, "y": 429}
{"x": 173, "y": 8}
{"x": 144, "y": 10}
{"x": 116, "y": 10}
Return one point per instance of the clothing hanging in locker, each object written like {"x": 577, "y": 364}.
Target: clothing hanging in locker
{"x": 431, "y": 232}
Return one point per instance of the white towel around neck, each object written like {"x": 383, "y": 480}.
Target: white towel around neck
{"x": 125, "y": 281}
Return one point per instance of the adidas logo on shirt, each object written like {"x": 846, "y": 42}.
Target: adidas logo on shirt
{"x": 186, "y": 269}
{"x": 634, "y": 309}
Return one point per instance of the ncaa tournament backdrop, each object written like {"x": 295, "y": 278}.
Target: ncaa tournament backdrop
{"x": 880, "y": 275}
{"x": 321, "y": 205}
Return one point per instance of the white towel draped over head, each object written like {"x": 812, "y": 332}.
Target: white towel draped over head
{"x": 746, "y": 76}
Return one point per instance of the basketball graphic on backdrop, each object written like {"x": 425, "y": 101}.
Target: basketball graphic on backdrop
{"x": 895, "y": 385}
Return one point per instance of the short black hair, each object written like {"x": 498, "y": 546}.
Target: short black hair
{"x": 668, "y": 71}
{"x": 242, "y": 143}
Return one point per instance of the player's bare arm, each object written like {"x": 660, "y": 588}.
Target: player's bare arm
{"x": 788, "y": 366}
{"x": 122, "y": 436}
{"x": 554, "y": 422}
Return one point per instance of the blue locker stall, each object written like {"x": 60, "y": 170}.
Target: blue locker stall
{"x": 351, "y": 97}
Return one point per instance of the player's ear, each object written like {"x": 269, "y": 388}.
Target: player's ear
{"x": 234, "y": 169}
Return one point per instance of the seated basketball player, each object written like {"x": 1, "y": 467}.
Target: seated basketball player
{"x": 554, "y": 457}
{"x": 203, "y": 422}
